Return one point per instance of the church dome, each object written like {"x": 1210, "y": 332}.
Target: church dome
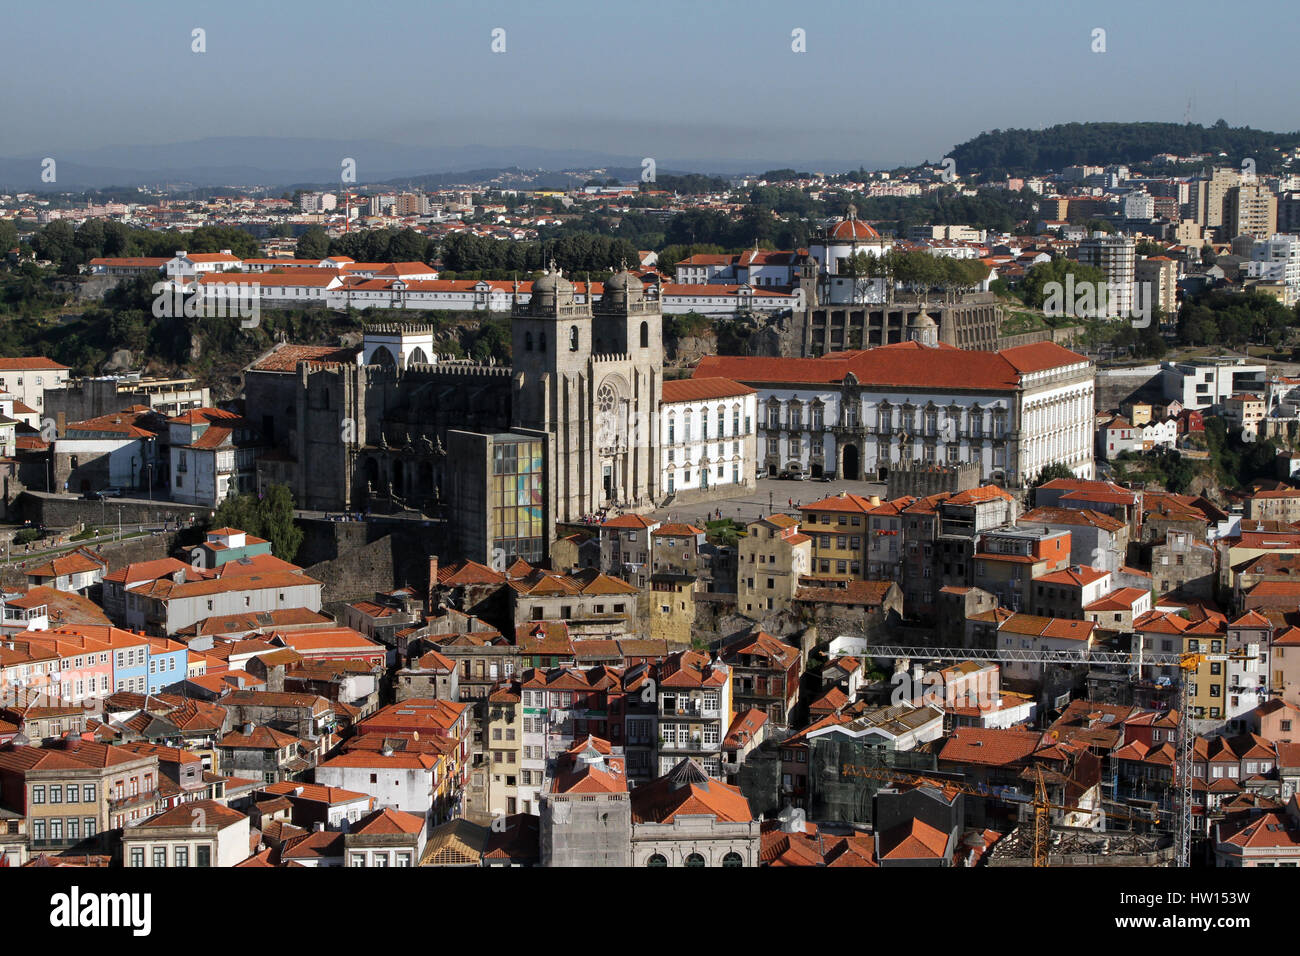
{"x": 623, "y": 281}
{"x": 552, "y": 283}
{"x": 923, "y": 330}
{"x": 852, "y": 228}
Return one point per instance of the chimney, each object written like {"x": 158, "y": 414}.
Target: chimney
{"x": 248, "y": 729}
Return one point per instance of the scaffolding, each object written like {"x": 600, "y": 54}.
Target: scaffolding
{"x": 1184, "y": 664}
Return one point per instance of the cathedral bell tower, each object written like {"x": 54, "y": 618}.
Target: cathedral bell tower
{"x": 550, "y": 339}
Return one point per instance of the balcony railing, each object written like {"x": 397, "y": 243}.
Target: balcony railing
{"x": 692, "y": 745}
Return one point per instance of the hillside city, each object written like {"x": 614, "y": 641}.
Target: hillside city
{"x": 946, "y": 516}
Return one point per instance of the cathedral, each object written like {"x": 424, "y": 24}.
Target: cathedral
{"x": 392, "y": 426}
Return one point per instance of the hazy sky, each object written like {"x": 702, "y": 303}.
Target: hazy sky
{"x": 882, "y": 81}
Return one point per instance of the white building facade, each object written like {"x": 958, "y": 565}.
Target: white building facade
{"x": 707, "y": 432}
{"x": 857, "y": 417}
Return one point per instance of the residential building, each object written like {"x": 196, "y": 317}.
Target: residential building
{"x": 213, "y": 454}
{"x": 76, "y": 791}
{"x": 386, "y": 837}
{"x": 200, "y": 834}
{"x": 1115, "y": 255}
{"x": 765, "y": 675}
{"x": 695, "y": 709}
{"x": 1249, "y": 209}
{"x": 26, "y": 379}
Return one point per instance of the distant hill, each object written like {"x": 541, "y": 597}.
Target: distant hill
{"x": 282, "y": 163}
{"x": 1019, "y": 152}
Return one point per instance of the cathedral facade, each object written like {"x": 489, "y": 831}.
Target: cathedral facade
{"x": 591, "y": 377}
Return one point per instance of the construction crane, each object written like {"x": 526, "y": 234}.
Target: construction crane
{"x": 1186, "y": 664}
{"x": 1042, "y": 805}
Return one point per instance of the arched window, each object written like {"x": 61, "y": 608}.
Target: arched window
{"x": 327, "y": 398}
{"x": 541, "y": 341}
{"x": 645, "y": 335}
{"x": 573, "y": 338}
{"x": 695, "y": 860}
{"x": 657, "y": 860}
{"x": 732, "y": 859}
{"x": 528, "y": 341}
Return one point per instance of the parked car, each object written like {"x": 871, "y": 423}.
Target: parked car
{"x": 109, "y": 493}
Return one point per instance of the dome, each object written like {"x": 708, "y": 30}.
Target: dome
{"x": 923, "y": 330}
{"x": 851, "y": 228}
{"x": 623, "y": 281}
{"x": 552, "y": 282}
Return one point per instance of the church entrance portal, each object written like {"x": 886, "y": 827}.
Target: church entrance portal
{"x": 851, "y": 471}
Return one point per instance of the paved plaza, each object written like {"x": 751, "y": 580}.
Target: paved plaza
{"x": 772, "y": 495}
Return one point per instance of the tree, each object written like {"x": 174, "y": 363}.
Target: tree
{"x": 278, "y": 525}
{"x": 313, "y": 244}
{"x": 1050, "y": 473}
{"x": 1031, "y": 287}
{"x": 271, "y": 517}
{"x": 56, "y": 242}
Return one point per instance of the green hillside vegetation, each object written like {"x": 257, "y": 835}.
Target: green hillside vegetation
{"x": 1020, "y": 152}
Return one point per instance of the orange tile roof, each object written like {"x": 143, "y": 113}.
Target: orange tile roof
{"x": 186, "y": 814}
{"x": 1075, "y": 575}
{"x": 286, "y": 357}
{"x": 30, "y": 364}
{"x": 629, "y": 522}
{"x": 689, "y": 792}
{"x": 388, "y": 821}
{"x": 702, "y": 389}
{"x": 678, "y": 530}
{"x": 1122, "y": 599}
{"x": 915, "y": 840}
{"x": 974, "y": 495}
{"x": 1070, "y": 516}
{"x": 841, "y": 502}
{"x": 902, "y": 364}
{"x": 984, "y": 746}
{"x": 468, "y": 572}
